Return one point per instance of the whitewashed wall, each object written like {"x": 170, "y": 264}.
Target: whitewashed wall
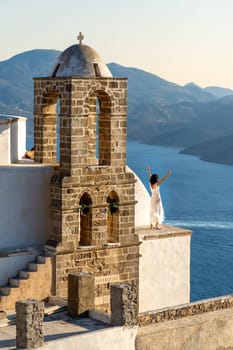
{"x": 142, "y": 207}
{"x": 5, "y": 144}
{"x": 24, "y": 213}
{"x": 114, "y": 338}
{"x": 24, "y": 205}
{"x": 10, "y": 265}
{"x": 164, "y": 269}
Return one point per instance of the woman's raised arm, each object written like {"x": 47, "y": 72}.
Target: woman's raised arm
{"x": 164, "y": 178}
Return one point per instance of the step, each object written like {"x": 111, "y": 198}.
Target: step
{"x": 13, "y": 281}
{"x": 5, "y": 290}
{"x": 32, "y": 266}
{"x": 41, "y": 259}
{"x": 23, "y": 274}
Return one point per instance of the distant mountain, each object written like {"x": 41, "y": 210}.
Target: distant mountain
{"x": 156, "y": 89}
{"x": 201, "y": 94}
{"x": 207, "y": 121}
{"x": 156, "y": 105}
{"x": 16, "y": 81}
{"x": 218, "y": 150}
{"x": 218, "y": 91}
{"x": 159, "y": 112}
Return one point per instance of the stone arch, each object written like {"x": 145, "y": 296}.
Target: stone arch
{"x": 46, "y": 128}
{"x": 99, "y": 127}
{"x": 85, "y": 204}
{"x": 113, "y": 217}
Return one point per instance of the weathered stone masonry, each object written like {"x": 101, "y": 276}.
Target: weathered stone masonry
{"x": 92, "y": 195}
{"x": 195, "y": 308}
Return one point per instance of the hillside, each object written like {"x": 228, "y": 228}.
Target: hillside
{"x": 218, "y": 150}
{"x": 159, "y": 111}
{"x": 16, "y": 81}
{"x": 153, "y": 101}
{"x": 218, "y": 92}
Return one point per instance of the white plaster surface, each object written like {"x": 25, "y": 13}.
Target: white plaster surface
{"x": 114, "y": 338}
{"x": 164, "y": 269}
{"x": 142, "y": 207}
{"x": 10, "y": 265}
{"x": 62, "y": 332}
{"x": 208, "y": 331}
{"x": 24, "y": 205}
{"x": 4, "y": 144}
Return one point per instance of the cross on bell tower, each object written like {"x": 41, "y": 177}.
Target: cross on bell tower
{"x": 80, "y": 37}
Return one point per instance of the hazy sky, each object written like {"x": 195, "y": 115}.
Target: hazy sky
{"x": 179, "y": 40}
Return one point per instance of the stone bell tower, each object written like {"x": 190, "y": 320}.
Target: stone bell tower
{"x": 80, "y": 117}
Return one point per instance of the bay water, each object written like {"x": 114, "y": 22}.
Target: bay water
{"x": 197, "y": 196}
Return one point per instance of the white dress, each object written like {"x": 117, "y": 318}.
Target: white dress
{"x": 156, "y": 207}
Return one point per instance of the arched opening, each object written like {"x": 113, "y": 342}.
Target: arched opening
{"x": 113, "y": 217}
{"x": 85, "y": 220}
{"x": 46, "y": 134}
{"x": 99, "y": 129}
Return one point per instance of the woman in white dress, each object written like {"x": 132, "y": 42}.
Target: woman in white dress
{"x": 156, "y": 205}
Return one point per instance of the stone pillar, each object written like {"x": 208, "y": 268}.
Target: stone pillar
{"x": 124, "y": 305}
{"x": 80, "y": 293}
{"x": 29, "y": 324}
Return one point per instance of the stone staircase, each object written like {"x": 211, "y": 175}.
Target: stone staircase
{"x": 33, "y": 282}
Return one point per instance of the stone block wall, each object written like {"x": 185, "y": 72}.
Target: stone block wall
{"x": 77, "y": 115}
{"x": 109, "y": 265}
{"x": 66, "y": 194}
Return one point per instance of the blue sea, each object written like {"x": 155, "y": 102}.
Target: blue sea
{"x": 198, "y": 196}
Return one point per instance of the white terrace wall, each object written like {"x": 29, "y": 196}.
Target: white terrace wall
{"x": 24, "y": 213}
{"x": 164, "y": 267}
{"x": 114, "y": 338}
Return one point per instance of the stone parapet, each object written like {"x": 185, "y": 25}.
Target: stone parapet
{"x": 196, "y": 308}
{"x": 206, "y": 331}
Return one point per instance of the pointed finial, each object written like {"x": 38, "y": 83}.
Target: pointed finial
{"x": 80, "y": 37}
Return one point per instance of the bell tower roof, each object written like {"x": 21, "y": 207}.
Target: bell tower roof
{"x": 80, "y": 60}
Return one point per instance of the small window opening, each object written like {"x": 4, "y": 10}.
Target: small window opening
{"x": 85, "y": 220}
{"x": 113, "y": 217}
{"x": 96, "y": 69}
